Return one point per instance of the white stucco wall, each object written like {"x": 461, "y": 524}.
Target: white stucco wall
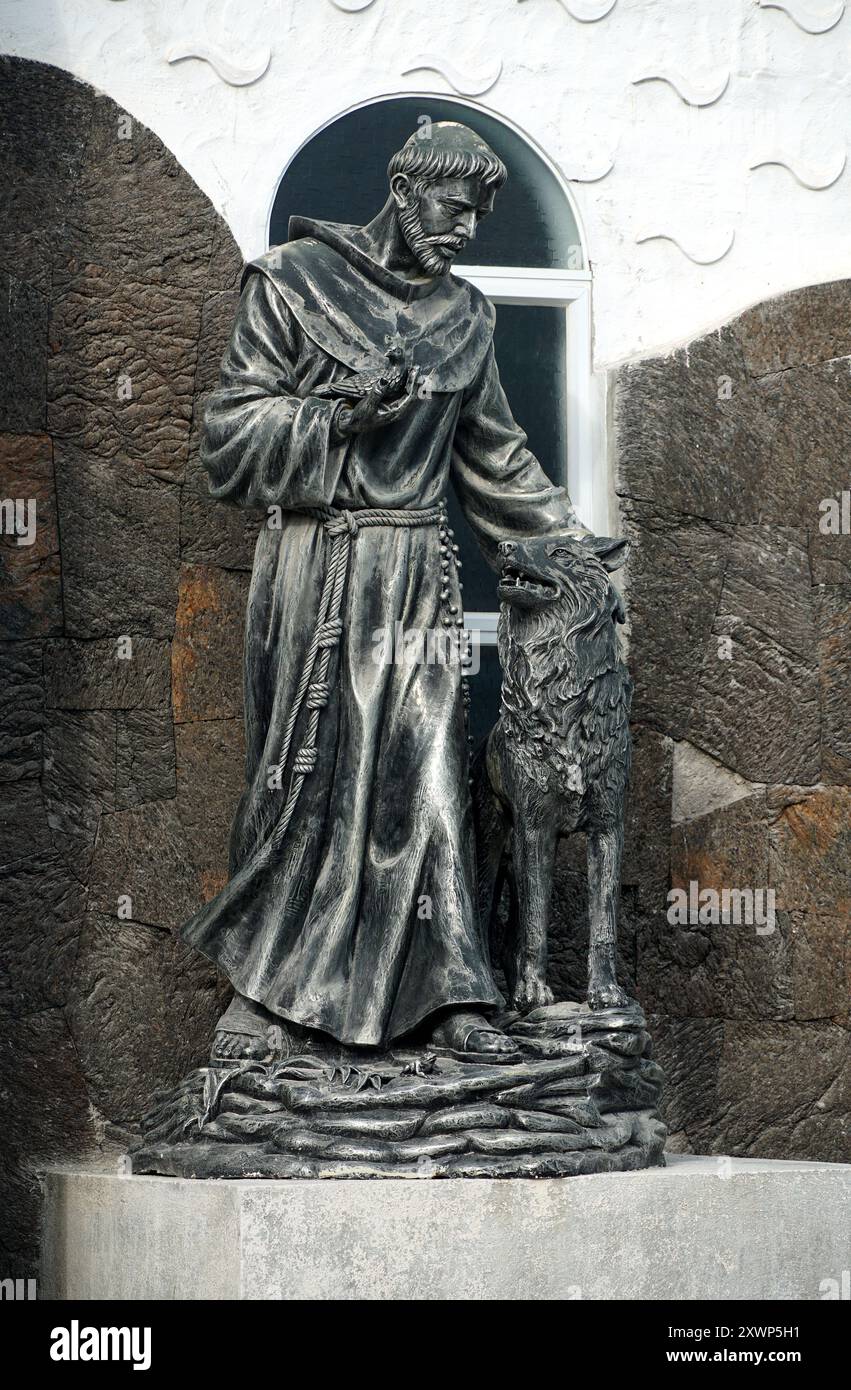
{"x": 677, "y": 170}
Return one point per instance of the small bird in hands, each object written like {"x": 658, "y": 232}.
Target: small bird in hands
{"x": 389, "y": 380}
{"x": 371, "y": 399}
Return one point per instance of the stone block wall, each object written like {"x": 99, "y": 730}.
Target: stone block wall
{"x": 727, "y": 454}
{"x": 121, "y": 747}
{"x": 121, "y": 762}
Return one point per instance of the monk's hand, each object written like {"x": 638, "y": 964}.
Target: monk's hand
{"x": 373, "y": 411}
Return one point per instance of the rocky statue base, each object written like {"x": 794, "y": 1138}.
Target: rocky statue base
{"x": 582, "y": 1098}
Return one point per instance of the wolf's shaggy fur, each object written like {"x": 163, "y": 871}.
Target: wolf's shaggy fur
{"x": 558, "y": 758}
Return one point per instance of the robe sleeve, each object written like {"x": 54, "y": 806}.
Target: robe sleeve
{"x": 503, "y": 490}
{"x": 264, "y": 444}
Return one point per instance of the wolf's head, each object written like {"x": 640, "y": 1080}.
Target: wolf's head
{"x": 559, "y": 610}
{"x": 543, "y": 571}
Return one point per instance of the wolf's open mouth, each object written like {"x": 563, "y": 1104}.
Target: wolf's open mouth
{"x": 518, "y": 580}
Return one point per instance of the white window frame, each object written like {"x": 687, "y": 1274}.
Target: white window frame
{"x": 586, "y": 479}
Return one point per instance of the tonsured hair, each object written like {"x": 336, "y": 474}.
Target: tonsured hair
{"x": 424, "y": 164}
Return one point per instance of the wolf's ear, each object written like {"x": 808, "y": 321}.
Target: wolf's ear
{"x": 610, "y": 552}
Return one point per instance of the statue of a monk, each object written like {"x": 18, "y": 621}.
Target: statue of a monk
{"x": 351, "y": 906}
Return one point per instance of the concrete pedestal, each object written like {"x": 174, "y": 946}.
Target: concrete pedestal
{"x": 700, "y": 1228}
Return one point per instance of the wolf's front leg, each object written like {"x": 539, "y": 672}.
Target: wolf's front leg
{"x": 605, "y": 851}
{"x": 526, "y": 963}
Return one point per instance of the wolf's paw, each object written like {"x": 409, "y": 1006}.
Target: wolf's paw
{"x": 531, "y": 992}
{"x": 606, "y": 994}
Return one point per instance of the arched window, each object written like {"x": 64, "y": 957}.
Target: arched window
{"x": 528, "y": 258}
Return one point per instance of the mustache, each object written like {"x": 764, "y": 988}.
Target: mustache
{"x": 448, "y": 243}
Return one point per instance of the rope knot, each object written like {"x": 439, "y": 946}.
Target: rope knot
{"x": 345, "y": 522}
{"x": 304, "y": 761}
{"x": 329, "y": 633}
{"x": 317, "y": 695}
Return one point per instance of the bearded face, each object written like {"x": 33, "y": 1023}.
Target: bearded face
{"x": 438, "y": 219}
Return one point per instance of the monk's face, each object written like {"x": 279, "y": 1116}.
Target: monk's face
{"x": 438, "y": 219}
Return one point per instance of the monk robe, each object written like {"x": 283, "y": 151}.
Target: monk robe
{"x": 362, "y": 922}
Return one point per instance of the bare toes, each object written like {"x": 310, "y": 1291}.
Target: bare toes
{"x": 487, "y": 1041}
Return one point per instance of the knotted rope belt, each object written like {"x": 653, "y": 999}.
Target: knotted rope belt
{"x": 313, "y": 691}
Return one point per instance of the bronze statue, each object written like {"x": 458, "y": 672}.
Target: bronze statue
{"x": 367, "y": 1036}
{"x": 351, "y": 906}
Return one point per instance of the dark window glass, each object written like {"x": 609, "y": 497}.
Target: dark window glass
{"x": 484, "y": 694}
{"x": 341, "y": 176}
{"x": 530, "y": 344}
